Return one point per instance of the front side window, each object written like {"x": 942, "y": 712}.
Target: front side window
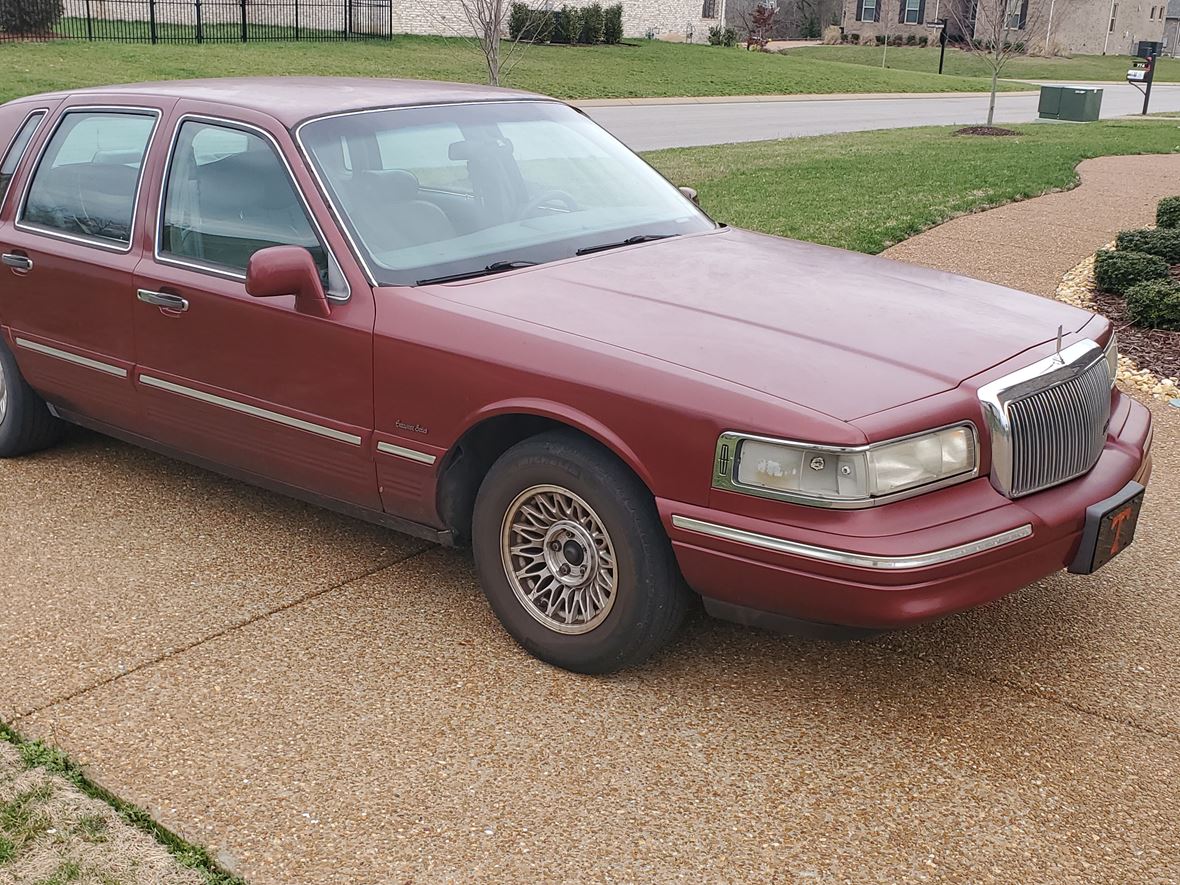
{"x": 228, "y": 195}
{"x": 17, "y": 150}
{"x": 88, "y": 177}
{"x": 912, "y": 11}
{"x": 430, "y": 192}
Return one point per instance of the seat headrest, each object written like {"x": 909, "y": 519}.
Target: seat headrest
{"x": 395, "y": 185}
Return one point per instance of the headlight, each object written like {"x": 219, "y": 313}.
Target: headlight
{"x": 1112, "y": 357}
{"x": 830, "y": 476}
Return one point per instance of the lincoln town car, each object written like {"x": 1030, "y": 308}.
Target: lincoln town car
{"x": 472, "y": 315}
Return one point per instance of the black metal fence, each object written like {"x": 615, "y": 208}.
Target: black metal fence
{"x": 195, "y": 21}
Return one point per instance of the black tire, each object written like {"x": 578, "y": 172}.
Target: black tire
{"x": 650, "y": 599}
{"x": 25, "y": 423}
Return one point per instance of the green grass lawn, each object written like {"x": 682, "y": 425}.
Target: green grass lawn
{"x": 647, "y": 68}
{"x": 965, "y": 64}
{"x": 868, "y": 190}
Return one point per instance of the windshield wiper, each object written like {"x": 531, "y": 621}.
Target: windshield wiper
{"x": 494, "y": 267}
{"x": 630, "y": 241}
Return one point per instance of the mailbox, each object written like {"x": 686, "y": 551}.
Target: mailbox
{"x": 1141, "y": 73}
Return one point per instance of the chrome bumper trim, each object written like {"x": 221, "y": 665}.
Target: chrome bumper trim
{"x": 252, "y": 411}
{"x": 843, "y": 557}
{"x": 68, "y": 357}
{"x": 409, "y": 454}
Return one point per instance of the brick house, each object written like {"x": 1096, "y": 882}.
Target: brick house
{"x": 1107, "y": 27}
{"x": 675, "y": 20}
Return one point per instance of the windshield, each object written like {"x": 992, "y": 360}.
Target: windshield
{"x": 433, "y": 192}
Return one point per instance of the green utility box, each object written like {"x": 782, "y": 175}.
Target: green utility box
{"x": 1070, "y": 103}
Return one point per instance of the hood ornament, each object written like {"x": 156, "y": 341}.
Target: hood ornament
{"x": 1058, "y": 355}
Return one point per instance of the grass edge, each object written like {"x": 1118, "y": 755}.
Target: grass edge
{"x": 38, "y": 754}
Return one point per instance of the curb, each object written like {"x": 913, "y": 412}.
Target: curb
{"x": 757, "y": 99}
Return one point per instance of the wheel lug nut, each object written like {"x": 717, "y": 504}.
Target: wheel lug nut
{"x": 564, "y": 570}
{"x": 555, "y": 546}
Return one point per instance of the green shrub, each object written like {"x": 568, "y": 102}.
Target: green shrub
{"x": 1155, "y": 304}
{"x": 567, "y": 25}
{"x": 852, "y": 38}
{"x": 911, "y": 39}
{"x": 719, "y": 36}
{"x": 1167, "y": 213}
{"x": 591, "y": 21}
{"x": 1116, "y": 272}
{"x": 880, "y": 39}
{"x": 1161, "y": 241}
{"x": 612, "y": 24}
{"x": 923, "y": 41}
{"x": 530, "y": 25}
{"x": 32, "y": 17}
{"x": 518, "y": 19}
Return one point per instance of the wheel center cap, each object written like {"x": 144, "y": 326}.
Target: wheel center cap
{"x": 570, "y": 553}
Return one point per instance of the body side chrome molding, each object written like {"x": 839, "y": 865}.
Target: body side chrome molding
{"x": 843, "y": 557}
{"x": 408, "y": 454}
{"x": 109, "y": 245}
{"x": 252, "y": 411}
{"x": 97, "y": 365}
{"x": 213, "y": 269}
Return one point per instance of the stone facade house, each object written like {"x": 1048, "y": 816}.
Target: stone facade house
{"x": 1084, "y": 27}
{"x": 675, "y": 20}
{"x": 1172, "y": 29}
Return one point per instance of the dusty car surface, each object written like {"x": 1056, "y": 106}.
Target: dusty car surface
{"x": 472, "y": 315}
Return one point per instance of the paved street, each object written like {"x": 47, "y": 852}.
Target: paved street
{"x": 651, "y": 126}
{"x": 322, "y": 701}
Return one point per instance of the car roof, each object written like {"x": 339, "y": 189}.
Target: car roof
{"x": 291, "y": 100}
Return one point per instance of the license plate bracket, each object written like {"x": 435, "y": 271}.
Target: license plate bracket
{"x": 1110, "y": 529}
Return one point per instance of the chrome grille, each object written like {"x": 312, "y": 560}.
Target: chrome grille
{"x": 1059, "y": 433}
{"x": 1048, "y": 421}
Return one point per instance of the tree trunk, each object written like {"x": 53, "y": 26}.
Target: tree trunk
{"x": 991, "y": 108}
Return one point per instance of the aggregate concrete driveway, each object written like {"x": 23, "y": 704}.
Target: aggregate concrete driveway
{"x": 323, "y": 702}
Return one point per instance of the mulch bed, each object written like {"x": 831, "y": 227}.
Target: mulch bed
{"x": 1152, "y": 349}
{"x": 985, "y": 130}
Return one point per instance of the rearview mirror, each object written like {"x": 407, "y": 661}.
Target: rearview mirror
{"x": 691, "y": 193}
{"x": 287, "y": 270}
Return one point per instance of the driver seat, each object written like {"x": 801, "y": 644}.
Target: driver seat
{"x": 392, "y": 209}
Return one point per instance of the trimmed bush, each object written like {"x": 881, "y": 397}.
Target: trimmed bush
{"x": 719, "y": 36}
{"x": 923, "y": 41}
{"x": 852, "y": 38}
{"x": 1116, "y": 272}
{"x": 1167, "y": 213}
{"x": 880, "y": 39}
{"x": 612, "y": 24}
{"x": 911, "y": 39}
{"x": 1155, "y": 304}
{"x": 31, "y": 17}
{"x": 1161, "y": 241}
{"x": 592, "y": 22}
{"x": 567, "y": 25}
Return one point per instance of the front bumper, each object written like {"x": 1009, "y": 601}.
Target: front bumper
{"x": 904, "y": 563}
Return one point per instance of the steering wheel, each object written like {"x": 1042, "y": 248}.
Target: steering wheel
{"x": 544, "y": 197}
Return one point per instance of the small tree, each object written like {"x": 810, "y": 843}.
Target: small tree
{"x": 999, "y": 30}
{"x": 758, "y": 21}
{"x": 488, "y": 21}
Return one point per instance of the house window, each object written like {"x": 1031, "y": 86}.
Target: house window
{"x": 1012, "y": 18}
{"x": 913, "y": 11}
{"x": 868, "y": 10}
{"x": 709, "y": 9}
{"x": 1114, "y": 13}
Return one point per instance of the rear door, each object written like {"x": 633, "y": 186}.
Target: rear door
{"x": 245, "y": 382}
{"x": 69, "y": 254}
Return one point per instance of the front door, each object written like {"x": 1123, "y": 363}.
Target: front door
{"x": 69, "y": 255}
{"x": 251, "y": 383}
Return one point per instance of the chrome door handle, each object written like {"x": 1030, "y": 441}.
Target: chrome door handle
{"x": 162, "y": 299}
{"x": 17, "y": 262}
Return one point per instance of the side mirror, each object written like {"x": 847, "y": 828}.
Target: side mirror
{"x": 691, "y": 193}
{"x": 287, "y": 270}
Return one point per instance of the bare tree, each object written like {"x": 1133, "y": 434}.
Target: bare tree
{"x": 999, "y": 30}
{"x": 886, "y": 12}
{"x": 487, "y": 28}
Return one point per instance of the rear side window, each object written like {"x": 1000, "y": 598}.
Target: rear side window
{"x": 228, "y": 195}
{"x": 16, "y": 151}
{"x": 86, "y": 182}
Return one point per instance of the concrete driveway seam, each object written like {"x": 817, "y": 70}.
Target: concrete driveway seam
{"x": 175, "y": 652}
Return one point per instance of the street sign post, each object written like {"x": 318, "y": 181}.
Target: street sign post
{"x": 1141, "y": 77}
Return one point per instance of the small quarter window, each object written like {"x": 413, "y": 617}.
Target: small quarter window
{"x": 16, "y": 151}
{"x": 229, "y": 195}
{"x": 86, "y": 182}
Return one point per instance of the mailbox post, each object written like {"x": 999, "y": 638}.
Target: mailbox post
{"x": 942, "y": 43}
{"x": 1141, "y": 77}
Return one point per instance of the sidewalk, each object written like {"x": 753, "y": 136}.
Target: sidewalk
{"x": 321, "y": 702}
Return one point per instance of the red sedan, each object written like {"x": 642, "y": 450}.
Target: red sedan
{"x": 472, "y": 315}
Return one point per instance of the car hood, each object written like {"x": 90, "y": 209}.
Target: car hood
{"x": 839, "y": 332}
